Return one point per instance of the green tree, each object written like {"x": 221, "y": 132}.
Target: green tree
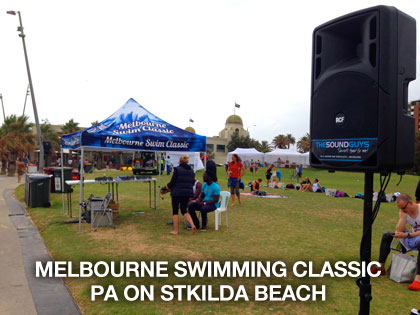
{"x": 290, "y": 140}
{"x": 94, "y": 123}
{"x": 304, "y": 144}
{"x": 280, "y": 142}
{"x": 16, "y": 139}
{"x": 238, "y": 141}
{"x": 264, "y": 147}
{"x": 70, "y": 127}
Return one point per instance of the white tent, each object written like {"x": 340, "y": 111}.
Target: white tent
{"x": 305, "y": 157}
{"x": 281, "y": 156}
{"x": 247, "y": 155}
{"x": 195, "y": 160}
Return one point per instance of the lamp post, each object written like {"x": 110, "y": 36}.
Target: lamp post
{"x": 38, "y": 128}
{"x": 250, "y": 126}
{"x": 2, "y": 105}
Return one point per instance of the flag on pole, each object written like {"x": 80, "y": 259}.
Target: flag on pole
{"x": 191, "y": 121}
{"x": 237, "y": 105}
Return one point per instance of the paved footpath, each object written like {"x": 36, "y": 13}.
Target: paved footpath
{"x": 20, "y": 246}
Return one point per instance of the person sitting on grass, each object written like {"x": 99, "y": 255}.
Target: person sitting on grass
{"x": 316, "y": 187}
{"x": 207, "y": 202}
{"x": 306, "y": 185}
{"x": 268, "y": 173}
{"x": 409, "y": 214}
{"x": 255, "y": 185}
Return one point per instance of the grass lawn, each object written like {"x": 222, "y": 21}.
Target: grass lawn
{"x": 305, "y": 226}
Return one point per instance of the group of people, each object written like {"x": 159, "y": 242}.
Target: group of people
{"x": 189, "y": 195}
{"x": 306, "y": 185}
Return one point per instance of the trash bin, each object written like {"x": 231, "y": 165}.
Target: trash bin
{"x": 37, "y": 190}
{"x": 57, "y": 179}
{"x": 49, "y": 171}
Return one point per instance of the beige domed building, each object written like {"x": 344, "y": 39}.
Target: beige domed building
{"x": 218, "y": 144}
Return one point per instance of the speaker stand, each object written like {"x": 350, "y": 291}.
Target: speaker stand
{"x": 365, "y": 288}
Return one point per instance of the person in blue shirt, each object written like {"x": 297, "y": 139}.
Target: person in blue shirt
{"x": 278, "y": 175}
{"x": 207, "y": 202}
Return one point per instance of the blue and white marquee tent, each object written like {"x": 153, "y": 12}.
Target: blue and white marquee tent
{"x": 131, "y": 128}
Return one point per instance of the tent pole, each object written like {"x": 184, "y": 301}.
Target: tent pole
{"x": 81, "y": 187}
{"x": 160, "y": 170}
{"x": 62, "y": 179}
{"x": 205, "y": 160}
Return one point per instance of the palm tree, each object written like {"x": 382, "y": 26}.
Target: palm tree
{"x": 70, "y": 127}
{"x": 49, "y": 135}
{"x": 16, "y": 138}
{"x": 94, "y": 123}
{"x": 280, "y": 142}
{"x": 304, "y": 143}
{"x": 264, "y": 147}
{"x": 290, "y": 140}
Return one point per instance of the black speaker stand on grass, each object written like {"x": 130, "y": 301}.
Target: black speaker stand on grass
{"x": 365, "y": 288}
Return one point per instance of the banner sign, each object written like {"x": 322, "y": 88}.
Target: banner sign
{"x": 70, "y": 141}
{"x": 344, "y": 150}
{"x": 133, "y": 127}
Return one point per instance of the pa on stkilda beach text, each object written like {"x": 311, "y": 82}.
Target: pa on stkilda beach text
{"x": 202, "y": 293}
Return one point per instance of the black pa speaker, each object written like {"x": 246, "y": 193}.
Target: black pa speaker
{"x": 47, "y": 146}
{"x": 361, "y": 66}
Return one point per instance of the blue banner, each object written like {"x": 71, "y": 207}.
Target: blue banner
{"x": 133, "y": 127}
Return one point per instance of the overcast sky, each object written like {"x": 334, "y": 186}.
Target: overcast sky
{"x": 179, "y": 59}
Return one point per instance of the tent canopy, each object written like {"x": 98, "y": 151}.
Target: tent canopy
{"x": 287, "y": 155}
{"x": 194, "y": 157}
{"x": 132, "y": 127}
{"x": 247, "y": 155}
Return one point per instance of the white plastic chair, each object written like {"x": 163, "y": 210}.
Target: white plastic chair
{"x": 223, "y": 204}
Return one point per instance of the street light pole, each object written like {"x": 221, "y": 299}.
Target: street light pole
{"x": 38, "y": 128}
{"x": 250, "y": 126}
{"x": 2, "y": 105}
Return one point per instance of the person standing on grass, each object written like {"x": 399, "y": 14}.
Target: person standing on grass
{"x": 409, "y": 214}
{"x": 181, "y": 187}
{"x": 20, "y": 165}
{"x": 299, "y": 170}
{"x": 168, "y": 165}
{"x": 268, "y": 174}
{"x": 235, "y": 172}
{"x": 207, "y": 202}
{"x": 251, "y": 167}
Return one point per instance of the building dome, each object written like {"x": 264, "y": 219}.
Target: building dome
{"x": 234, "y": 119}
{"x": 190, "y": 129}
